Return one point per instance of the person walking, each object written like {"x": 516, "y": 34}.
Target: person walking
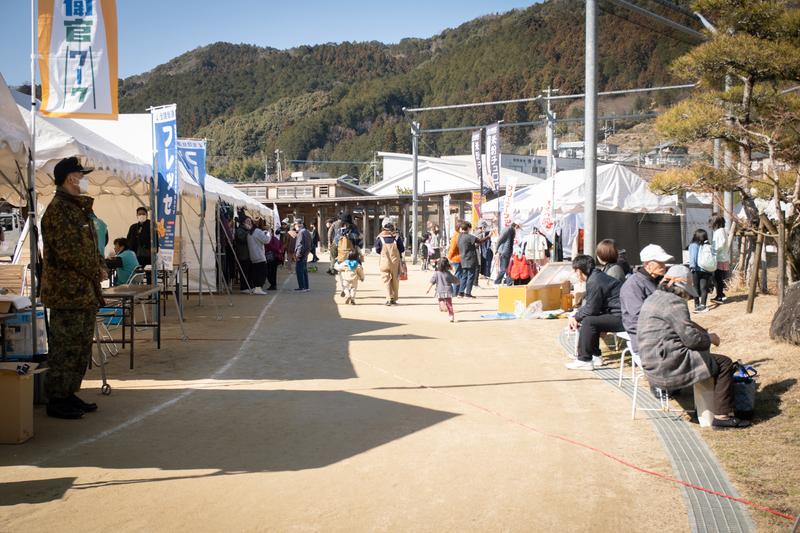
{"x": 314, "y": 242}
{"x": 274, "y": 255}
{"x": 701, "y": 277}
{"x": 301, "y": 250}
{"x": 443, "y": 280}
{"x": 352, "y": 272}
{"x": 256, "y": 239}
{"x": 243, "y": 252}
{"x": 72, "y": 272}
{"x": 720, "y": 243}
{"x": 468, "y": 252}
{"x": 389, "y": 247}
{"x": 505, "y": 245}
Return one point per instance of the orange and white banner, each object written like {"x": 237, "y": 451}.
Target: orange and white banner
{"x": 78, "y": 58}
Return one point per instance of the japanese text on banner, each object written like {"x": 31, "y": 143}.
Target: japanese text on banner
{"x": 193, "y": 157}
{"x": 78, "y": 66}
{"x": 165, "y": 135}
{"x": 493, "y": 154}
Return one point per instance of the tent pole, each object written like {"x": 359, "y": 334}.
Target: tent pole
{"x": 32, "y": 186}
{"x": 590, "y": 135}
{"x": 154, "y": 219}
{"x": 202, "y": 275}
{"x": 202, "y": 226}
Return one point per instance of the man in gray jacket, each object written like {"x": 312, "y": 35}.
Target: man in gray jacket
{"x": 302, "y": 248}
{"x": 639, "y": 286}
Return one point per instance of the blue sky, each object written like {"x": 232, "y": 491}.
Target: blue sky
{"x": 153, "y": 32}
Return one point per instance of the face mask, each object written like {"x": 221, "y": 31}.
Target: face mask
{"x": 142, "y": 218}
{"x": 83, "y": 185}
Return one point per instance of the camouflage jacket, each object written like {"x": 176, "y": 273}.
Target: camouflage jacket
{"x": 72, "y": 265}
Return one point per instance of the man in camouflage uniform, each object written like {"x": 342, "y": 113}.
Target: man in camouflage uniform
{"x": 71, "y": 275}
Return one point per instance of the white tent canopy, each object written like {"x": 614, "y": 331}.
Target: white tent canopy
{"x": 618, "y": 189}
{"x": 14, "y": 141}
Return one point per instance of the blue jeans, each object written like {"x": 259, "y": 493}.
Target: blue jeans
{"x": 302, "y": 273}
{"x": 467, "y": 279}
{"x": 457, "y": 272}
{"x": 501, "y": 272}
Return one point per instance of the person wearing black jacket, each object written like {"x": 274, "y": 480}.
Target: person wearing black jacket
{"x": 314, "y": 243}
{"x": 139, "y": 237}
{"x": 600, "y": 312}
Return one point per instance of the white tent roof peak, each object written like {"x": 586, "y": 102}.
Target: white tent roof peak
{"x": 618, "y": 189}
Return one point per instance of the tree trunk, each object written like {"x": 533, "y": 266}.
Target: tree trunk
{"x": 754, "y": 275}
{"x": 786, "y": 322}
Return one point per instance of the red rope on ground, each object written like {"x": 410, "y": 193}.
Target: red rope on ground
{"x": 531, "y": 428}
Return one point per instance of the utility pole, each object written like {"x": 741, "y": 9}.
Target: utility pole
{"x": 551, "y": 123}
{"x": 590, "y": 136}
{"x": 414, "y": 197}
{"x": 266, "y": 170}
{"x": 278, "y": 163}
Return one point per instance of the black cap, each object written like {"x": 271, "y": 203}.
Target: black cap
{"x": 69, "y": 165}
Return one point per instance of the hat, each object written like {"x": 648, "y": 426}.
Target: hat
{"x": 681, "y": 271}
{"x": 387, "y": 223}
{"x": 482, "y": 224}
{"x": 69, "y": 165}
{"x": 517, "y": 223}
{"x": 285, "y": 220}
{"x": 298, "y": 222}
{"x": 653, "y": 252}
{"x": 347, "y": 218}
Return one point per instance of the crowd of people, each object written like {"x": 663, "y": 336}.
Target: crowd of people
{"x": 650, "y": 305}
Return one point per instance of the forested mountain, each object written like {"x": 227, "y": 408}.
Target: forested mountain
{"x": 340, "y": 102}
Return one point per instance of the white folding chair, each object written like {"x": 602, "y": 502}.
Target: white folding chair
{"x": 663, "y": 397}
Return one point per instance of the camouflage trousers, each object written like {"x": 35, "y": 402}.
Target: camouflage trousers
{"x": 70, "y": 342}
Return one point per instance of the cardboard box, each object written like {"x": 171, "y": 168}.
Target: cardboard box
{"x": 16, "y": 403}
{"x": 20, "y": 336}
{"x": 549, "y": 295}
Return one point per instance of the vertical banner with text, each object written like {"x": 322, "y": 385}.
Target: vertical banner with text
{"x": 508, "y": 201}
{"x": 477, "y": 204}
{"x": 78, "y": 49}
{"x": 477, "y": 155}
{"x": 165, "y": 136}
{"x": 446, "y": 209}
{"x": 493, "y": 154}
{"x": 193, "y": 156}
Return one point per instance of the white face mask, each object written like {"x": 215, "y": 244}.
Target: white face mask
{"x": 83, "y": 185}
{"x": 142, "y": 218}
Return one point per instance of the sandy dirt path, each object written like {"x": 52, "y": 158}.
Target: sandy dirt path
{"x": 312, "y": 425}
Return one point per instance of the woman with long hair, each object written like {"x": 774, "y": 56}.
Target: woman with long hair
{"x": 701, "y": 277}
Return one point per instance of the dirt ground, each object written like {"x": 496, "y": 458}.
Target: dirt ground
{"x": 298, "y": 413}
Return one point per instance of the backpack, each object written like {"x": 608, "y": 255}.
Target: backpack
{"x": 343, "y": 242}
{"x": 707, "y": 258}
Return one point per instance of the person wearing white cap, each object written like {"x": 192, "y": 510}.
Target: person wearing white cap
{"x": 675, "y": 351}
{"x": 640, "y": 285}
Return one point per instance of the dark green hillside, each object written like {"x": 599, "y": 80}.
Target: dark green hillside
{"x": 341, "y": 102}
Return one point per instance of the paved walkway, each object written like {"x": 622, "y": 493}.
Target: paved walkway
{"x": 692, "y": 460}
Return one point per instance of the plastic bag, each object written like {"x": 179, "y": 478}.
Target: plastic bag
{"x": 534, "y": 310}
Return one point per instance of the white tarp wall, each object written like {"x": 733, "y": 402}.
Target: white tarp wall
{"x": 14, "y": 140}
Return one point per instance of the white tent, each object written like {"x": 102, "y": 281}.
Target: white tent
{"x": 133, "y": 131}
{"x": 618, "y": 189}
{"x": 14, "y": 141}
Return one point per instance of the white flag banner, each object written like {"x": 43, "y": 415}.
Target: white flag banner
{"x": 78, "y": 58}
{"x": 276, "y": 220}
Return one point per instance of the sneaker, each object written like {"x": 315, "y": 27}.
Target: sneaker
{"x": 306, "y": 289}
{"x": 717, "y": 300}
{"x": 722, "y": 425}
{"x": 258, "y": 290}
{"x": 272, "y": 288}
{"x": 572, "y": 356}
{"x": 62, "y": 408}
{"x": 392, "y": 302}
{"x": 347, "y": 300}
{"x": 471, "y": 297}
{"x": 246, "y": 291}
{"x": 353, "y": 301}
{"x": 452, "y": 319}
{"x": 299, "y": 290}
{"x": 77, "y": 403}
{"x": 597, "y": 361}
{"x": 701, "y": 309}
{"x": 388, "y": 302}
{"x": 460, "y": 295}
{"x": 580, "y": 365}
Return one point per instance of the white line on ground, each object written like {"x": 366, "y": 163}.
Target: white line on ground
{"x": 224, "y": 368}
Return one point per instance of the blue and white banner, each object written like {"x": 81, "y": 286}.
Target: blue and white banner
{"x": 493, "y": 154}
{"x": 193, "y": 156}
{"x": 165, "y": 136}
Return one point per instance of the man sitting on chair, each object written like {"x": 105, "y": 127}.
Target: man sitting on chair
{"x": 600, "y": 312}
{"x": 124, "y": 262}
